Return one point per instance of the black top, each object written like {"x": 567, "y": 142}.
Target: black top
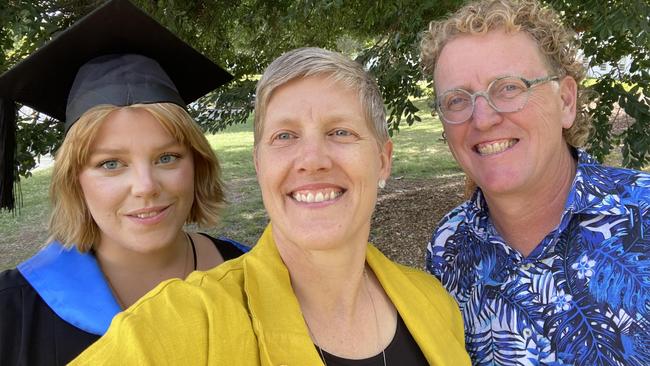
{"x": 402, "y": 350}
{"x": 32, "y": 334}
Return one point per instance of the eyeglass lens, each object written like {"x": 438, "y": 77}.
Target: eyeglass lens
{"x": 504, "y": 95}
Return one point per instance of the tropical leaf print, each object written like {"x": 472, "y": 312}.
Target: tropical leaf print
{"x": 499, "y": 347}
{"x": 516, "y": 305}
{"x": 581, "y": 298}
{"x": 582, "y": 329}
{"x": 621, "y": 279}
{"x": 635, "y": 337}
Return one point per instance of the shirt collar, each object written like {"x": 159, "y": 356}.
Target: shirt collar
{"x": 594, "y": 190}
{"x": 583, "y": 197}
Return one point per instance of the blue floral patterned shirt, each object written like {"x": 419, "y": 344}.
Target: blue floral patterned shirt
{"x": 582, "y": 297}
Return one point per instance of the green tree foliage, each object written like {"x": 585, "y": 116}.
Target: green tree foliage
{"x": 244, "y": 36}
{"x": 611, "y": 30}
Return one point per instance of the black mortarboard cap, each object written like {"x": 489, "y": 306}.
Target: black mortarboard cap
{"x": 116, "y": 55}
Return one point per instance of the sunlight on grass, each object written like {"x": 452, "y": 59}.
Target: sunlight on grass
{"x": 24, "y": 232}
{"x": 418, "y": 153}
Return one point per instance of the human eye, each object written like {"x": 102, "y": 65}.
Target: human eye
{"x": 168, "y": 158}
{"x": 283, "y": 136}
{"x": 508, "y": 88}
{"x": 341, "y": 133}
{"x": 456, "y": 101}
{"x": 110, "y": 164}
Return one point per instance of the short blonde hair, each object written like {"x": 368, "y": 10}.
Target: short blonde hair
{"x": 311, "y": 61}
{"x": 557, "y": 44}
{"x": 71, "y": 222}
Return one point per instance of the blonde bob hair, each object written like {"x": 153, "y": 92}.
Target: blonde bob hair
{"x": 557, "y": 44}
{"x": 71, "y": 222}
{"x": 311, "y": 61}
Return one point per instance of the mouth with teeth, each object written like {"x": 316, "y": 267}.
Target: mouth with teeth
{"x": 147, "y": 214}
{"x": 151, "y": 215}
{"x": 495, "y": 147}
{"x": 316, "y": 196}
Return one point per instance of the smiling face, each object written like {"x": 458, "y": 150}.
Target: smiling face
{"x": 516, "y": 152}
{"x": 138, "y": 182}
{"x": 318, "y": 164}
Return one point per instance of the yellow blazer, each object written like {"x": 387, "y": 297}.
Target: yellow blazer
{"x": 244, "y": 312}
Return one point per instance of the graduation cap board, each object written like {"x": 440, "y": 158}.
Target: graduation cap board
{"x": 115, "y": 55}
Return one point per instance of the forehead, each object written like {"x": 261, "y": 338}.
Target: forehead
{"x": 126, "y": 124}
{"x": 475, "y": 60}
{"x": 314, "y": 96}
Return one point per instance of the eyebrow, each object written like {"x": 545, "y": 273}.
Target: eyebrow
{"x": 336, "y": 118}
{"x": 114, "y": 151}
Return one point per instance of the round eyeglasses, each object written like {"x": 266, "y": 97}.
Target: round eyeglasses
{"x": 504, "y": 94}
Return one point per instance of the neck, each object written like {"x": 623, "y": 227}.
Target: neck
{"x": 524, "y": 218}
{"x": 324, "y": 279}
{"x": 346, "y": 311}
{"x": 131, "y": 274}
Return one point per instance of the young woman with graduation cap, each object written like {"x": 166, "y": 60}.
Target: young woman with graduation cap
{"x": 132, "y": 170}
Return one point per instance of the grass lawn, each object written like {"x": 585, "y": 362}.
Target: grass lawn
{"x": 418, "y": 153}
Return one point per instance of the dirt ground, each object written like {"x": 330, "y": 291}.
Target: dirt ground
{"x": 407, "y": 212}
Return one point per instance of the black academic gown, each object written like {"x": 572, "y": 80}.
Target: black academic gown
{"x": 48, "y": 316}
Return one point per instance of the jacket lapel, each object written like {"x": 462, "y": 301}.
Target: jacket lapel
{"x": 427, "y": 322}
{"x": 277, "y": 319}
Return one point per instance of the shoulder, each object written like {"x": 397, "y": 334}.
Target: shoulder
{"x": 612, "y": 189}
{"x": 428, "y": 284}
{"x": 228, "y": 248}
{"x": 453, "y": 222}
{"x": 11, "y": 278}
{"x": 424, "y": 281}
{"x": 629, "y": 177}
{"x": 614, "y": 178}
{"x": 142, "y": 333}
{"x": 456, "y": 216}
{"x": 418, "y": 277}
{"x": 201, "y": 299}
{"x": 229, "y": 277}
{"x": 15, "y": 291}
{"x": 397, "y": 276}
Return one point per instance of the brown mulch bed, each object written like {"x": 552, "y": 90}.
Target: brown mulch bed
{"x": 407, "y": 212}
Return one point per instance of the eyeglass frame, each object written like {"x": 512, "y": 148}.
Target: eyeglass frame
{"x": 484, "y": 93}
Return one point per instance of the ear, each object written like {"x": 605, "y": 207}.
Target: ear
{"x": 569, "y": 97}
{"x": 386, "y": 156}
{"x": 257, "y": 169}
{"x": 447, "y": 130}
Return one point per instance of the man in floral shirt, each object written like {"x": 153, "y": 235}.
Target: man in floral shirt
{"x": 549, "y": 260}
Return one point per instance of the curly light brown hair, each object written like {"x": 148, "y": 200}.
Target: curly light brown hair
{"x": 557, "y": 44}
{"x": 70, "y": 220}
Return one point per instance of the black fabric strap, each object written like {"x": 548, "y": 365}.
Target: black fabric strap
{"x": 7, "y": 154}
{"x": 193, "y": 249}
{"x": 227, "y": 250}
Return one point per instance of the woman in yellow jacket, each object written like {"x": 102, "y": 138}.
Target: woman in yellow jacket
{"x": 312, "y": 291}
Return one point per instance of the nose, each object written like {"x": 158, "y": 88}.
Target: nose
{"x": 313, "y": 155}
{"x": 484, "y": 116}
{"x": 144, "y": 182}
